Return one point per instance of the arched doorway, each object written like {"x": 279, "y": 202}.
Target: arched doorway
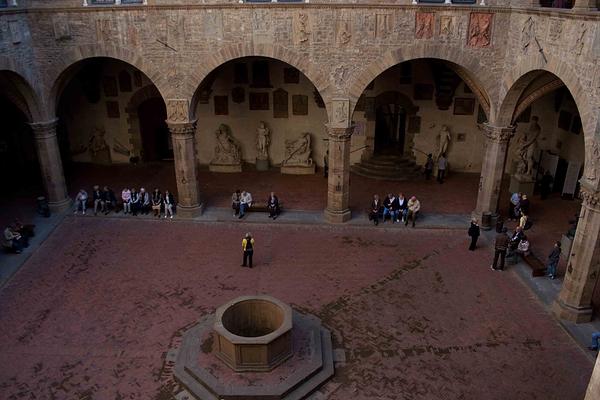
{"x": 392, "y": 109}
{"x": 156, "y": 140}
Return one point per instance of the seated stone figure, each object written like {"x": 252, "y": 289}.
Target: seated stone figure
{"x": 297, "y": 152}
{"x": 227, "y": 151}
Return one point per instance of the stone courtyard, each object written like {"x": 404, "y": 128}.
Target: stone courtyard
{"x": 93, "y": 312}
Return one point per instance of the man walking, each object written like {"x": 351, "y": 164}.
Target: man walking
{"x": 553, "y": 259}
{"x": 500, "y": 246}
{"x": 474, "y": 232}
{"x": 248, "y": 248}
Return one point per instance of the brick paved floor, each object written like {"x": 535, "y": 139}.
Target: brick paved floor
{"x": 93, "y": 311}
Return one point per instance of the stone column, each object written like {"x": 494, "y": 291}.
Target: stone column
{"x": 186, "y": 169}
{"x": 492, "y": 169}
{"x": 338, "y": 183}
{"x": 574, "y": 302}
{"x": 593, "y": 389}
{"x": 50, "y": 164}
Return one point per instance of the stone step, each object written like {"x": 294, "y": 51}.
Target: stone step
{"x": 400, "y": 174}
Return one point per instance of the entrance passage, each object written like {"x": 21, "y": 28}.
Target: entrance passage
{"x": 390, "y": 129}
{"x": 156, "y": 140}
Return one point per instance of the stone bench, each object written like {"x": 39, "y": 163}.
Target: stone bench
{"x": 538, "y": 268}
{"x": 262, "y": 207}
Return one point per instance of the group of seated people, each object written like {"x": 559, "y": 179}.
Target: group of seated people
{"x": 132, "y": 201}
{"x": 518, "y": 242}
{"x": 397, "y": 208}
{"x": 241, "y": 201}
{"x": 16, "y": 236}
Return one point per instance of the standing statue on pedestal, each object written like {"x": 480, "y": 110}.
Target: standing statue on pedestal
{"x": 228, "y": 156}
{"x": 263, "y": 140}
{"x": 526, "y": 149}
{"x": 297, "y": 152}
{"x": 444, "y": 140}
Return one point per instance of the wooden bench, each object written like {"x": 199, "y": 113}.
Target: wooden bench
{"x": 537, "y": 267}
{"x": 262, "y": 207}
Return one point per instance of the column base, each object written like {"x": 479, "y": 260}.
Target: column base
{"x": 577, "y": 315}
{"x": 337, "y": 217}
{"x": 60, "y": 206}
{"x": 190, "y": 211}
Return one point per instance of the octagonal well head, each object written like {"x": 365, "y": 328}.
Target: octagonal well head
{"x": 253, "y": 333}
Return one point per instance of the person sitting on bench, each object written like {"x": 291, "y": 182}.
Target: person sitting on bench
{"x": 245, "y": 203}
{"x": 515, "y": 239}
{"x": 375, "y": 210}
{"x": 273, "y": 206}
{"x": 12, "y": 240}
{"x": 235, "y": 202}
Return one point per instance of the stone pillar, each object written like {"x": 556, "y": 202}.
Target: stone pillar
{"x": 50, "y": 164}
{"x": 585, "y": 5}
{"x": 593, "y": 390}
{"x": 492, "y": 169}
{"x": 574, "y": 302}
{"x": 338, "y": 183}
{"x": 186, "y": 169}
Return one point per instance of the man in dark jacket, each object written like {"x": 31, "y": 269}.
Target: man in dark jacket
{"x": 474, "y": 232}
{"x": 500, "y": 246}
{"x": 375, "y": 209}
{"x": 553, "y": 259}
{"x": 273, "y": 206}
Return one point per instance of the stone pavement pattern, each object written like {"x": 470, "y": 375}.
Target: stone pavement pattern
{"x": 93, "y": 311}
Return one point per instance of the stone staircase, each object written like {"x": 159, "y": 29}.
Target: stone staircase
{"x": 388, "y": 167}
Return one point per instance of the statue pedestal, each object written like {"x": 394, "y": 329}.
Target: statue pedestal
{"x": 227, "y": 168}
{"x": 298, "y": 169}
{"x": 262, "y": 164}
{"x": 565, "y": 245}
{"x": 522, "y": 184}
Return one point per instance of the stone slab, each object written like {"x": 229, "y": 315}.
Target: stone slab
{"x": 298, "y": 169}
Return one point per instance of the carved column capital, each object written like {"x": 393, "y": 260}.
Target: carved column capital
{"x": 498, "y": 134}
{"x": 182, "y": 129}
{"x": 590, "y": 198}
{"x": 44, "y": 130}
{"x": 340, "y": 134}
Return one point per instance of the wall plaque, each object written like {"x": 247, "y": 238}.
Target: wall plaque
{"x": 299, "y": 104}
{"x": 221, "y": 105}
{"x": 258, "y": 101}
{"x": 238, "y": 94}
{"x": 280, "y": 104}
{"x": 464, "y": 106}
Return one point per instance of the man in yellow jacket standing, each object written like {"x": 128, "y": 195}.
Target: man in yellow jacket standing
{"x": 248, "y": 248}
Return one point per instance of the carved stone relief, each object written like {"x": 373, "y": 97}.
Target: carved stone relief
{"x": 104, "y": 30}
{"x": 555, "y": 30}
{"x": 424, "y": 25}
{"x": 340, "y": 75}
{"x": 527, "y": 35}
{"x": 175, "y": 31}
{"x": 341, "y": 110}
{"x": 383, "y": 25}
{"x": 177, "y": 110}
{"x": 446, "y": 26}
{"x": 261, "y": 21}
{"x": 343, "y": 31}
{"x": 302, "y": 29}
{"x": 480, "y": 29}
{"x": 579, "y": 40}
{"x": 212, "y": 23}
{"x": 62, "y": 30}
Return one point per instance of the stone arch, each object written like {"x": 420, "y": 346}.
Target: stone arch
{"x": 141, "y": 95}
{"x": 479, "y": 79}
{"x": 16, "y": 86}
{"x": 299, "y": 61}
{"x": 519, "y": 77}
{"x": 60, "y": 73}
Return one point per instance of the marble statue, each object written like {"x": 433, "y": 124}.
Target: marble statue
{"x": 444, "y": 138}
{"x": 297, "y": 152}
{"x": 263, "y": 140}
{"x": 227, "y": 151}
{"x": 526, "y": 147}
